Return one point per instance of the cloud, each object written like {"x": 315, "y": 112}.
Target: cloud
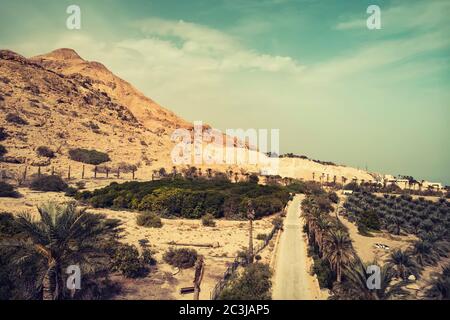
{"x": 424, "y": 15}
{"x": 219, "y": 51}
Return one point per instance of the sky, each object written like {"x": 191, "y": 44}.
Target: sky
{"x": 336, "y": 90}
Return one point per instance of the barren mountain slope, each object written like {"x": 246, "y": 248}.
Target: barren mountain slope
{"x": 148, "y": 112}
{"x": 67, "y": 102}
{"x": 71, "y": 111}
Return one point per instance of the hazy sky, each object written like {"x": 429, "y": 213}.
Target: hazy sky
{"x": 336, "y": 90}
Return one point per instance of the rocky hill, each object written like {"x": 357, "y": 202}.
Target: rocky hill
{"x": 62, "y": 102}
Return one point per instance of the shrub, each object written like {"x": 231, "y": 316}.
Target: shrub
{"x": 15, "y": 118}
{"x": 147, "y": 257}
{"x": 181, "y": 258}
{"x": 208, "y": 220}
{"x": 88, "y": 156}
{"x": 3, "y": 151}
{"x": 71, "y": 192}
{"x": 254, "y": 284}
{"x": 149, "y": 220}
{"x": 278, "y": 222}
{"x": 3, "y": 134}
{"x": 333, "y": 197}
{"x": 324, "y": 273}
{"x": 46, "y": 152}
{"x": 253, "y": 178}
{"x": 369, "y": 220}
{"x": 261, "y": 236}
{"x": 126, "y": 167}
{"x": 80, "y": 185}
{"x": 7, "y": 191}
{"x": 48, "y": 183}
{"x": 127, "y": 261}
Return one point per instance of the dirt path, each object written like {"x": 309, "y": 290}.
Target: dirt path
{"x": 292, "y": 279}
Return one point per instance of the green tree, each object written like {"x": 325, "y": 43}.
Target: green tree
{"x": 339, "y": 251}
{"x": 254, "y": 284}
{"x": 63, "y": 236}
{"x": 403, "y": 264}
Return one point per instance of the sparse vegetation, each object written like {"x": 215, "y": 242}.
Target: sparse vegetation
{"x": 48, "y": 183}
{"x": 126, "y": 260}
{"x": 254, "y": 284}
{"x": 149, "y": 220}
{"x": 71, "y": 191}
{"x": 261, "y": 236}
{"x": 89, "y": 156}
{"x": 3, "y": 134}
{"x": 15, "y": 118}
{"x": 208, "y": 220}
{"x": 3, "y": 151}
{"x": 7, "y": 191}
{"x": 182, "y": 258}
{"x": 46, "y": 152}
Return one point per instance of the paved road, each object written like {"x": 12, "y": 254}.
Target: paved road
{"x": 292, "y": 280}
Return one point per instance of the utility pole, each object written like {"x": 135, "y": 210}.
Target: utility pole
{"x": 251, "y": 217}
{"x": 199, "y": 271}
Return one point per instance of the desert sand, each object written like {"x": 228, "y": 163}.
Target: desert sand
{"x": 164, "y": 281}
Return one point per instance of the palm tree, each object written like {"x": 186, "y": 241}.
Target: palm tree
{"x": 424, "y": 253}
{"x": 338, "y": 250}
{"x": 323, "y": 226}
{"x": 62, "y": 237}
{"x": 209, "y": 173}
{"x": 440, "y": 286}
{"x": 358, "y": 278}
{"x": 403, "y": 264}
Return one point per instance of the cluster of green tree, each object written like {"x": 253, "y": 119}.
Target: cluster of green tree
{"x": 440, "y": 285}
{"x": 93, "y": 157}
{"x": 428, "y": 220}
{"x": 391, "y": 188}
{"x": 328, "y": 239}
{"x": 190, "y": 199}
{"x": 254, "y": 284}
{"x": 338, "y": 267}
{"x": 35, "y": 253}
{"x": 292, "y": 155}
